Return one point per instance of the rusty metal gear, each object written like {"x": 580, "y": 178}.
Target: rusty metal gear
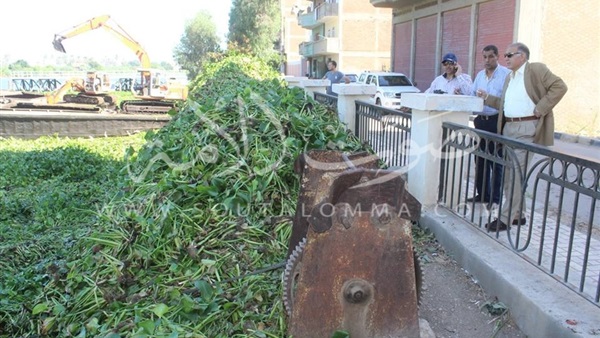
{"x": 290, "y": 275}
{"x": 292, "y": 271}
{"x": 418, "y": 275}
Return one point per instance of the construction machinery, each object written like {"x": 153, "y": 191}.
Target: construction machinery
{"x": 351, "y": 266}
{"x": 153, "y": 92}
{"x": 57, "y": 100}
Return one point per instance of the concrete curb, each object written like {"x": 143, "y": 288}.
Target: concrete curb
{"x": 539, "y": 304}
{"x": 577, "y": 139}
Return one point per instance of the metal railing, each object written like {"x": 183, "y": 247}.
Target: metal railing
{"x": 36, "y": 85}
{"x": 560, "y": 193}
{"x": 330, "y": 101}
{"x": 387, "y": 131}
{"x": 325, "y": 10}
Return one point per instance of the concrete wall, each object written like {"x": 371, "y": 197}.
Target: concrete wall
{"x": 36, "y": 124}
{"x": 570, "y": 38}
{"x": 562, "y": 34}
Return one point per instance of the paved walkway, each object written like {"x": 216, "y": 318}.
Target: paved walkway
{"x": 537, "y": 244}
{"x": 564, "y": 243}
{"x": 554, "y": 290}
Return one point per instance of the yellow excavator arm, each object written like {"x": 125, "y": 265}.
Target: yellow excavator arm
{"x": 111, "y": 26}
{"x": 57, "y": 95}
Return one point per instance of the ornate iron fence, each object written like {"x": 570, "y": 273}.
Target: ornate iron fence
{"x": 556, "y": 227}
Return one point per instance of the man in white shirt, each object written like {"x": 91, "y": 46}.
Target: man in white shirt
{"x": 453, "y": 81}
{"x": 530, "y": 93}
{"x": 488, "y": 177}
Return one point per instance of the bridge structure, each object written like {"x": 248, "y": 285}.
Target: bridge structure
{"x": 49, "y": 81}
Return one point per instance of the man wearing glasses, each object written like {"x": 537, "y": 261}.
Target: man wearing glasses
{"x": 530, "y": 93}
{"x": 453, "y": 81}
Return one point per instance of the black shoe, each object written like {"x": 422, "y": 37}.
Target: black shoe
{"x": 496, "y": 225}
{"x": 478, "y": 199}
{"x": 519, "y": 221}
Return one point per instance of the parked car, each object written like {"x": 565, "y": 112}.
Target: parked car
{"x": 390, "y": 87}
{"x": 352, "y": 76}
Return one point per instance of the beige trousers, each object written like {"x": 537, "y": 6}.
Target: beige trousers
{"x": 514, "y": 180}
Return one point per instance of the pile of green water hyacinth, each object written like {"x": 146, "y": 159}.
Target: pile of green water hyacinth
{"x": 208, "y": 200}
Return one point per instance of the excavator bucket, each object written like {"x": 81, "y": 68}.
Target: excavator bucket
{"x": 354, "y": 269}
{"x": 57, "y": 43}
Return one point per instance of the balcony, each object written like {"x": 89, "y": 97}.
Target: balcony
{"x": 394, "y": 3}
{"x": 323, "y": 46}
{"x": 318, "y": 16}
{"x": 325, "y": 11}
{"x": 308, "y": 20}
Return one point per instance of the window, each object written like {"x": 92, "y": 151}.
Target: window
{"x": 394, "y": 81}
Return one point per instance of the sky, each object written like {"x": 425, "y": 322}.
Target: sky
{"x": 27, "y": 27}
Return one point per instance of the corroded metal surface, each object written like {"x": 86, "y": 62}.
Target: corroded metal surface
{"x": 319, "y": 168}
{"x": 358, "y": 270}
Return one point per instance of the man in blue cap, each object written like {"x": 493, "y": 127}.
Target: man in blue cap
{"x": 453, "y": 81}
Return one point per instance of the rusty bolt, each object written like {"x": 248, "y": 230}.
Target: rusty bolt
{"x": 345, "y": 214}
{"x": 357, "y": 291}
{"x": 381, "y": 215}
{"x": 320, "y": 217}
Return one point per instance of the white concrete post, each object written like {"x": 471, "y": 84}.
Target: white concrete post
{"x": 295, "y": 81}
{"x": 312, "y": 86}
{"x": 429, "y": 111}
{"x": 347, "y": 94}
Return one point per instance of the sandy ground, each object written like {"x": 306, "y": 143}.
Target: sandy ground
{"x": 454, "y": 304}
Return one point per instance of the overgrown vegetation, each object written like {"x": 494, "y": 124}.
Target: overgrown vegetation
{"x": 206, "y": 201}
{"x": 50, "y": 192}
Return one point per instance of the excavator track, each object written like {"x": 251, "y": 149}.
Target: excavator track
{"x": 66, "y": 108}
{"x": 99, "y": 100}
{"x": 146, "y": 107}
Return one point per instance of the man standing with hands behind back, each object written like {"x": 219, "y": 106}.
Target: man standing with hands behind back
{"x": 488, "y": 177}
{"x": 530, "y": 93}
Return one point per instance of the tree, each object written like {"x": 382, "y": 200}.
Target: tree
{"x": 19, "y": 65}
{"x": 198, "y": 44}
{"x": 166, "y": 66}
{"x": 255, "y": 26}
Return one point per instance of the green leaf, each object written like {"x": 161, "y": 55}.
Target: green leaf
{"x": 41, "y": 307}
{"x": 160, "y": 310}
{"x": 147, "y": 325}
{"x": 206, "y": 290}
{"x": 112, "y": 335}
{"x": 58, "y": 309}
{"x": 340, "y": 334}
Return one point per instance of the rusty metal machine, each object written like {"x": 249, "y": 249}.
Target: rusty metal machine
{"x": 351, "y": 264}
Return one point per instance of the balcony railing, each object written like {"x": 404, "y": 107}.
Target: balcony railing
{"x": 323, "y": 46}
{"x": 326, "y": 10}
{"x": 318, "y": 16}
{"x": 308, "y": 20}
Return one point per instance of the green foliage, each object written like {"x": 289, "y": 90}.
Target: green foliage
{"x": 198, "y": 44}
{"x": 255, "y": 26}
{"x": 19, "y": 65}
{"x": 208, "y": 199}
{"x": 50, "y": 191}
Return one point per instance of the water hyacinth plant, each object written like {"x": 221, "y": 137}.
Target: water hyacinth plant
{"x": 206, "y": 202}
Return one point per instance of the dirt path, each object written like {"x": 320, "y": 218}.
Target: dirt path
{"x": 453, "y": 304}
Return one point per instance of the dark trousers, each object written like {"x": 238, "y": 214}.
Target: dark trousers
{"x": 488, "y": 176}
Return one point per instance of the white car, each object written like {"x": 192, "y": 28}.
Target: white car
{"x": 390, "y": 87}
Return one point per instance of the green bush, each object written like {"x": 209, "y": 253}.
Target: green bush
{"x": 206, "y": 201}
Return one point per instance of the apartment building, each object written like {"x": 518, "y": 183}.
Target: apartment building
{"x": 354, "y": 33}
{"x": 561, "y": 34}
